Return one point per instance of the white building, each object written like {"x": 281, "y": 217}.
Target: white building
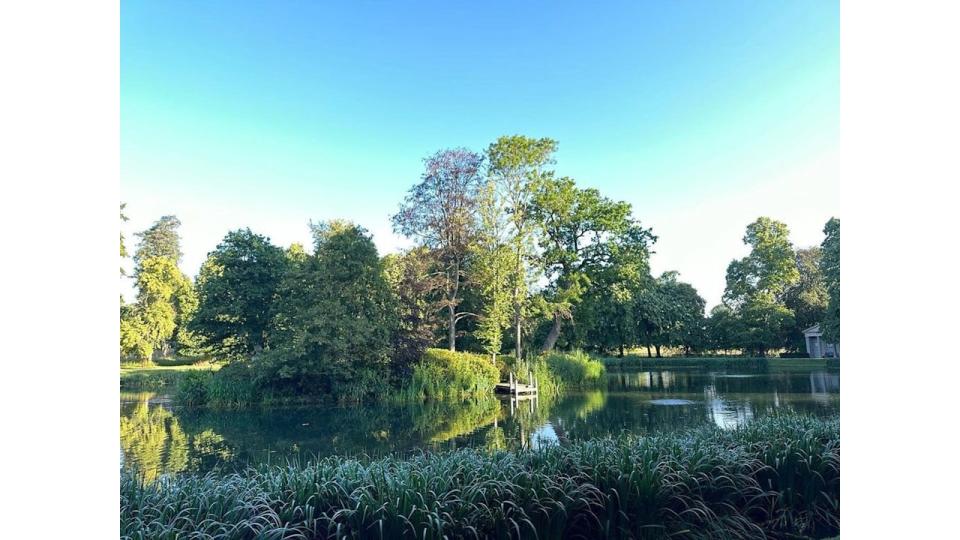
{"x": 816, "y": 347}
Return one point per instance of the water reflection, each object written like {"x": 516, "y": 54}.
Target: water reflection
{"x": 158, "y": 437}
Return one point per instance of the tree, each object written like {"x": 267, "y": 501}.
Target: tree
{"x": 577, "y": 226}
{"x": 723, "y": 329}
{"x": 335, "y": 319}
{"x": 769, "y": 269}
{"x": 165, "y": 298}
{"x": 757, "y": 285}
{"x": 491, "y": 259}
{"x": 808, "y": 297}
{"x": 670, "y": 313}
{"x": 607, "y": 314}
{"x": 830, "y": 267}
{"x": 162, "y": 239}
{"x": 764, "y": 324}
{"x": 237, "y": 289}
{"x": 516, "y": 165}
{"x": 439, "y": 212}
{"x": 413, "y": 284}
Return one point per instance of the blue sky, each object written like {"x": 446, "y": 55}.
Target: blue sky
{"x": 703, "y": 115}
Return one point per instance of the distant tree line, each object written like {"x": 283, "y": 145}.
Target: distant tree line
{"x": 509, "y": 257}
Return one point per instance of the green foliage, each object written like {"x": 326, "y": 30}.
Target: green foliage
{"x": 491, "y": 263}
{"x": 335, "y": 318}
{"x": 412, "y": 283}
{"x": 237, "y": 289}
{"x": 578, "y": 232}
{"x": 779, "y": 477}
{"x": 516, "y": 166}
{"x": 192, "y": 388}
{"x": 770, "y": 268}
{"x": 808, "y": 298}
{"x": 758, "y": 284}
{"x": 830, "y": 267}
{"x": 443, "y": 374}
{"x": 440, "y": 213}
{"x": 161, "y": 240}
{"x": 670, "y": 313}
{"x": 165, "y": 300}
{"x": 575, "y": 368}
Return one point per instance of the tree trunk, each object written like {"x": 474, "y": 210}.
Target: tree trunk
{"x": 649, "y": 354}
{"x": 516, "y": 326}
{"x": 452, "y": 328}
{"x": 554, "y": 334}
{"x": 621, "y": 349}
{"x": 657, "y": 346}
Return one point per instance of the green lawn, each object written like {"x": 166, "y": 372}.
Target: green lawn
{"x": 163, "y": 373}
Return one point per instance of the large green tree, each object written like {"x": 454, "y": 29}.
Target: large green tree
{"x": 757, "y": 285}
{"x": 440, "y": 213}
{"x": 413, "y": 283}
{"x": 517, "y": 164}
{"x": 578, "y": 227}
{"x": 670, "y": 313}
{"x": 237, "y": 289}
{"x": 491, "y": 262}
{"x": 166, "y": 298}
{"x": 807, "y": 298}
{"x": 335, "y": 319}
{"x": 830, "y": 267}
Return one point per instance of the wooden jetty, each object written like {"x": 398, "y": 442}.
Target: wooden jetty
{"x": 518, "y": 389}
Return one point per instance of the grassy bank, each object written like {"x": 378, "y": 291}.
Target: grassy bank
{"x": 164, "y": 374}
{"x": 779, "y": 476}
{"x": 721, "y": 362}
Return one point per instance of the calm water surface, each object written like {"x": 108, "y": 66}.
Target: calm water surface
{"x": 159, "y": 437}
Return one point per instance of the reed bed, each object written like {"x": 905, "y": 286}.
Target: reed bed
{"x": 779, "y": 477}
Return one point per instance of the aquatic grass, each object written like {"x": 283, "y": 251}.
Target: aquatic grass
{"x": 778, "y": 478}
{"x": 442, "y": 374}
{"x": 575, "y": 368}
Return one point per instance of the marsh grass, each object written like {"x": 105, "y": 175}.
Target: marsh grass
{"x": 442, "y": 374}
{"x": 777, "y": 477}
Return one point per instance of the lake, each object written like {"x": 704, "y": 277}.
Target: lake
{"x": 160, "y": 437}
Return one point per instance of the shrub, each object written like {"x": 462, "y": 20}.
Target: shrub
{"x": 442, "y": 374}
{"x": 232, "y": 386}
{"x": 192, "y": 388}
{"x": 575, "y": 368}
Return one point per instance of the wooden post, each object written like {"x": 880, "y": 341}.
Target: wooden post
{"x": 511, "y": 383}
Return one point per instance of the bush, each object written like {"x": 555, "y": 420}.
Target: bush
{"x": 575, "y": 368}
{"x": 442, "y": 374}
{"x": 232, "y": 386}
{"x": 192, "y": 388}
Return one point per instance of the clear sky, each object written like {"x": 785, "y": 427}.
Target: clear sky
{"x": 703, "y": 115}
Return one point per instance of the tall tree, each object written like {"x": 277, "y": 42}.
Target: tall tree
{"x": 830, "y": 266}
{"x": 336, "y": 317}
{"x": 166, "y": 298}
{"x": 808, "y": 297}
{"x": 770, "y": 268}
{"x": 491, "y": 262}
{"x": 607, "y": 314}
{"x": 440, "y": 213}
{"x": 757, "y": 285}
{"x": 517, "y": 165}
{"x": 413, "y": 282}
{"x": 577, "y": 228}
{"x": 237, "y": 289}
{"x": 162, "y": 239}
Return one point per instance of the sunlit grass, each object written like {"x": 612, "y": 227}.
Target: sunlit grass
{"x": 779, "y": 476}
